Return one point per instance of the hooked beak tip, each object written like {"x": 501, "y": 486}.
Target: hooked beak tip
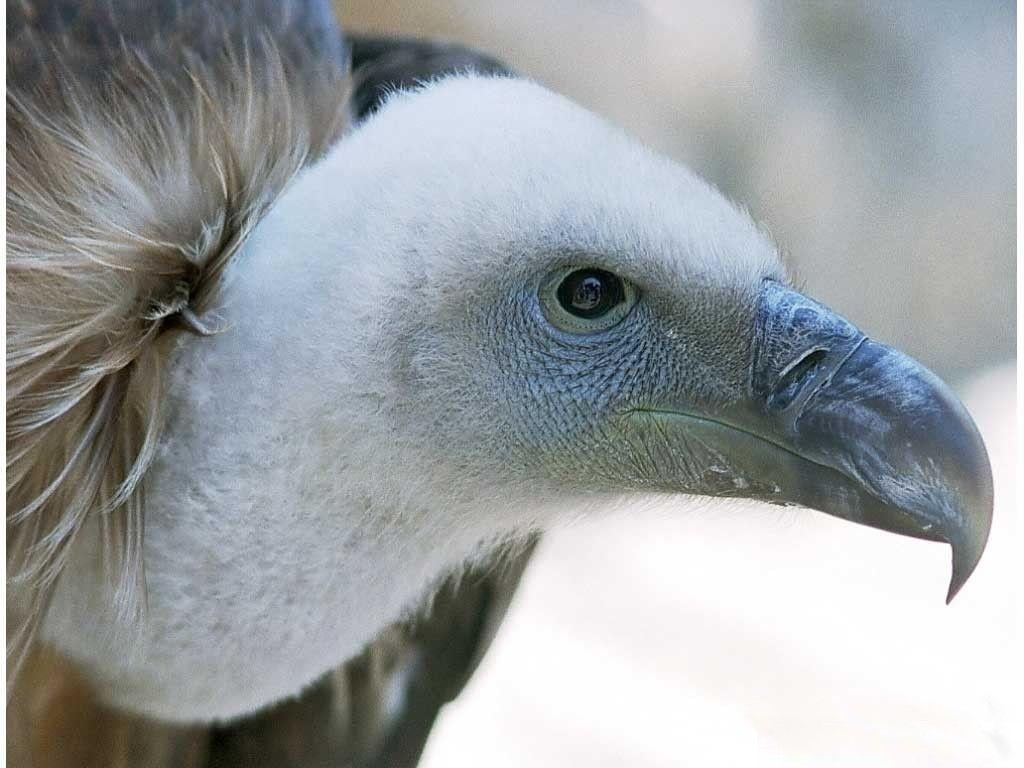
{"x": 897, "y": 436}
{"x": 967, "y": 552}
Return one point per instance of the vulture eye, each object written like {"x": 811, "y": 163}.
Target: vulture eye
{"x": 590, "y": 293}
{"x": 586, "y": 300}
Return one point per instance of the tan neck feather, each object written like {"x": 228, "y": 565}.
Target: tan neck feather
{"x": 125, "y": 202}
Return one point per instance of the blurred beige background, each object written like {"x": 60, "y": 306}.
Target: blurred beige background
{"x": 876, "y": 142}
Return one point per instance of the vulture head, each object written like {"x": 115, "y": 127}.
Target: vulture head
{"x": 551, "y": 317}
{"x": 483, "y": 312}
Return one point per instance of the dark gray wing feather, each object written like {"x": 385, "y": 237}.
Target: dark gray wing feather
{"x": 383, "y": 64}
{"x": 91, "y": 36}
{"x": 447, "y": 646}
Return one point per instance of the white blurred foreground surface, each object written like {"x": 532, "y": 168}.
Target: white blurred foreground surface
{"x": 749, "y": 636}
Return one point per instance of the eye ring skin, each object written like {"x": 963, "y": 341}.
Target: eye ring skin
{"x": 565, "y": 321}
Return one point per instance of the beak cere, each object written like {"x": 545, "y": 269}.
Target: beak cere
{"x": 839, "y": 423}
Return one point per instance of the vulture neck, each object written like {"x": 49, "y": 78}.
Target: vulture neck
{"x": 308, "y": 401}
{"x": 287, "y": 486}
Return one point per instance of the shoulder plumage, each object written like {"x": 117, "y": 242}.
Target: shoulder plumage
{"x": 138, "y": 160}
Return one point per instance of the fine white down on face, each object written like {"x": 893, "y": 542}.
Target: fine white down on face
{"x": 429, "y": 340}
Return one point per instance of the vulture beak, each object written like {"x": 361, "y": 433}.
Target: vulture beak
{"x": 842, "y": 424}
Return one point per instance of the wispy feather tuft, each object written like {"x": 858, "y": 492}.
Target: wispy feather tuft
{"x": 127, "y": 196}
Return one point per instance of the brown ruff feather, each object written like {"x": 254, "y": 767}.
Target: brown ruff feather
{"x": 129, "y": 189}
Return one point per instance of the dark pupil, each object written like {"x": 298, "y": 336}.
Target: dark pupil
{"x": 589, "y": 292}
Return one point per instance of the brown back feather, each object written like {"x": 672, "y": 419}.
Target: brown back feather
{"x": 129, "y": 190}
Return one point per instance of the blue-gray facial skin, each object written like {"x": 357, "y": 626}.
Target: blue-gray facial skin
{"x": 762, "y": 394}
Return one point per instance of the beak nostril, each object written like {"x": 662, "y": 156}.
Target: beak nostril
{"x": 795, "y": 378}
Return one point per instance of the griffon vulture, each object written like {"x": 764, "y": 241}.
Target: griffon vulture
{"x": 300, "y": 362}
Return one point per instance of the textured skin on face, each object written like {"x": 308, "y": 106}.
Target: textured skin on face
{"x": 554, "y": 402}
{"x": 565, "y": 394}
